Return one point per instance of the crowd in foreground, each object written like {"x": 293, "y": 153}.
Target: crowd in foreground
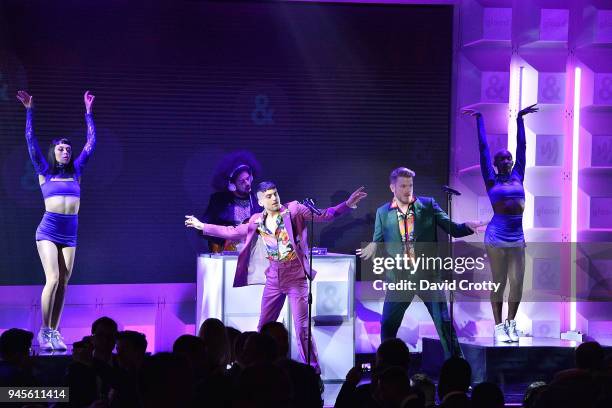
{"x": 222, "y": 367}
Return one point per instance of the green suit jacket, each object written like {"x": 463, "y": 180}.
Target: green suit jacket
{"x": 428, "y": 216}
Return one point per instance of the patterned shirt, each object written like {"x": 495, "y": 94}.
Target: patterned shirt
{"x": 406, "y": 225}
{"x": 278, "y": 245}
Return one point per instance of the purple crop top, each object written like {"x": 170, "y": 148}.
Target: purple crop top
{"x": 500, "y": 187}
{"x": 59, "y": 188}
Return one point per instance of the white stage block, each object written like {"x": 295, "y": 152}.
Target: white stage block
{"x": 332, "y": 308}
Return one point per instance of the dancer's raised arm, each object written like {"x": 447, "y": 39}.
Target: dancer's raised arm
{"x": 38, "y": 159}
{"x": 486, "y": 165}
{"x": 521, "y": 142}
{"x": 90, "y": 145}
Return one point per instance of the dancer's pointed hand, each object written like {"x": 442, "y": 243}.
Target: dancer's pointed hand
{"x": 529, "y": 109}
{"x": 471, "y": 112}
{"x": 25, "y": 98}
{"x": 89, "y": 100}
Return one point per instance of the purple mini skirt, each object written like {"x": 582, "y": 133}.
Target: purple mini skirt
{"x": 58, "y": 228}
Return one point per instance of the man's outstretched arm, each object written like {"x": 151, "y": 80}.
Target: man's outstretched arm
{"x": 330, "y": 213}
{"x": 232, "y": 233}
{"x": 454, "y": 229}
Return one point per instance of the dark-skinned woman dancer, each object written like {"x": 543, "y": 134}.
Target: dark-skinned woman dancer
{"x": 504, "y": 239}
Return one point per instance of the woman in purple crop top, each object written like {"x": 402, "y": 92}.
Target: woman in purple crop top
{"x": 59, "y": 176}
{"x": 504, "y": 238}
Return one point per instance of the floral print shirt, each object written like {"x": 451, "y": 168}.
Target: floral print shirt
{"x": 278, "y": 245}
{"x": 406, "y": 226}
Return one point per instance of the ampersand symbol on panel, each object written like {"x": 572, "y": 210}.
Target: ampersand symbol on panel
{"x": 262, "y": 114}
{"x": 603, "y": 152}
{"x": 495, "y": 89}
{"x": 550, "y": 150}
{"x": 605, "y": 93}
{"x": 331, "y": 300}
{"x": 551, "y": 92}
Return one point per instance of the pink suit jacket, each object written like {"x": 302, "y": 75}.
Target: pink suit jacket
{"x": 252, "y": 261}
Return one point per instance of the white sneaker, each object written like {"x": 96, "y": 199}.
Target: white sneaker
{"x": 501, "y": 333}
{"x": 44, "y": 338}
{"x": 57, "y": 341}
{"x": 511, "y": 328}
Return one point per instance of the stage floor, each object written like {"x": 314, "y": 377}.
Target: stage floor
{"x": 523, "y": 342}
{"x": 513, "y": 366}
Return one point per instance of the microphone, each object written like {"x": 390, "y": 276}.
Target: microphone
{"x": 450, "y": 191}
{"x": 310, "y": 204}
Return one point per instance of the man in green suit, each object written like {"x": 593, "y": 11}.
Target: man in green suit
{"x": 408, "y": 225}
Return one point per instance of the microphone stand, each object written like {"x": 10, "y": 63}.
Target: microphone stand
{"x": 451, "y": 297}
{"x": 309, "y": 278}
{"x": 310, "y": 204}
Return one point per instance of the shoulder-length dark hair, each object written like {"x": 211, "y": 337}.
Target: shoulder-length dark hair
{"x": 54, "y": 167}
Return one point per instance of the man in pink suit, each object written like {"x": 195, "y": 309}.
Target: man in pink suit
{"x": 275, "y": 254}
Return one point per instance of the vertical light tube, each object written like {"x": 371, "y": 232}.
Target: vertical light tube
{"x": 574, "y": 205}
{"x": 575, "y": 146}
{"x": 514, "y": 102}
